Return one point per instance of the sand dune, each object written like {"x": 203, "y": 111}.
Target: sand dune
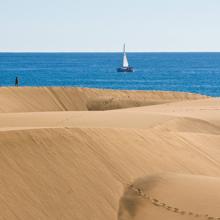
{"x": 183, "y": 124}
{"x": 205, "y": 109}
{"x": 158, "y": 197}
{"x": 80, "y": 173}
{"x": 37, "y": 99}
{"x": 58, "y": 163}
{"x": 111, "y": 119}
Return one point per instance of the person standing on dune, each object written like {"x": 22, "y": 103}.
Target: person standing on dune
{"x": 16, "y": 81}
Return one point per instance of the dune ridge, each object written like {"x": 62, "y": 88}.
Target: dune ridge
{"x": 38, "y": 99}
{"x": 60, "y": 160}
{"x": 185, "y": 124}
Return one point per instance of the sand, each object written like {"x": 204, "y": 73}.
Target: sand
{"x": 63, "y": 157}
{"x": 43, "y": 99}
{"x": 158, "y": 196}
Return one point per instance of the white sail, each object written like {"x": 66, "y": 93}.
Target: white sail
{"x": 125, "y": 60}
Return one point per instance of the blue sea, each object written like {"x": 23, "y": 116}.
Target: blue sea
{"x": 188, "y": 72}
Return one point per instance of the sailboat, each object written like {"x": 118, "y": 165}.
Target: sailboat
{"x": 125, "y": 67}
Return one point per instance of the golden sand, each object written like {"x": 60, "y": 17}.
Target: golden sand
{"x": 62, "y": 157}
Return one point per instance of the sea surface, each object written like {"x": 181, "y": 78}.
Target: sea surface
{"x": 188, "y": 72}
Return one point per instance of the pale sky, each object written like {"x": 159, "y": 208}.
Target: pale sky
{"x": 104, "y": 25}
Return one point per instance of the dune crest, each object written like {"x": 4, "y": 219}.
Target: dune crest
{"x": 38, "y": 99}
{"x": 184, "y": 124}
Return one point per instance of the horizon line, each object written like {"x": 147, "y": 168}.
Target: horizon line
{"x": 109, "y": 51}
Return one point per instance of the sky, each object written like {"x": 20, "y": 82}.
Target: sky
{"x": 104, "y": 25}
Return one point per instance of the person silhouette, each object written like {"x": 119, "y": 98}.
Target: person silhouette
{"x": 16, "y": 81}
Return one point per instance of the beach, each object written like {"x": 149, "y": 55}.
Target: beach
{"x": 76, "y": 153}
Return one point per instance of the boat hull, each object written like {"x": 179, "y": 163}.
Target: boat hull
{"x": 125, "y": 69}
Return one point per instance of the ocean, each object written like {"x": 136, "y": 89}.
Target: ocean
{"x": 188, "y": 72}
